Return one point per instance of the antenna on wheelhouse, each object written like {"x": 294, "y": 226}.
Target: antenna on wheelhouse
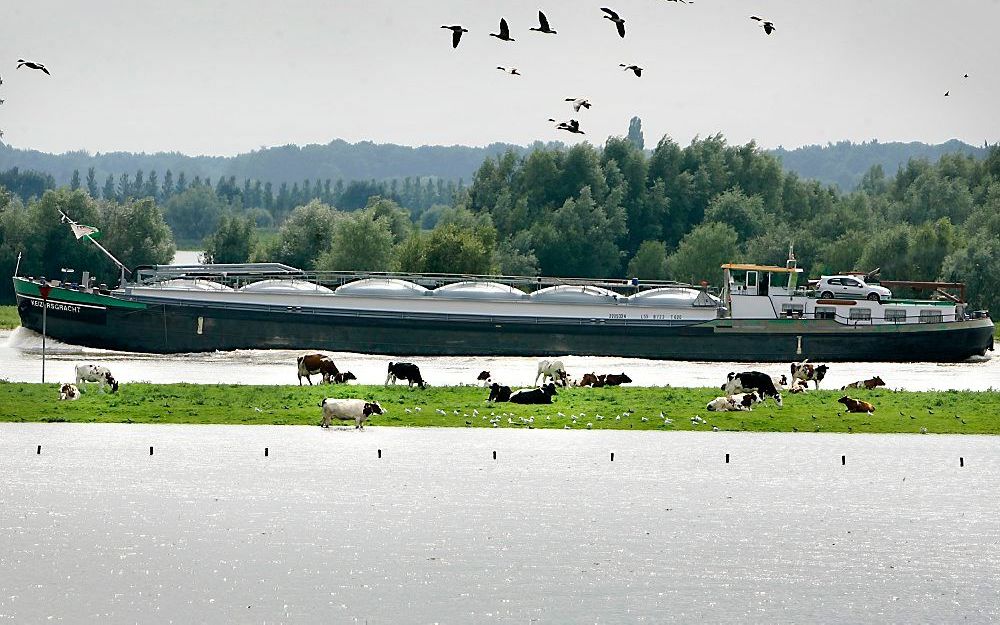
{"x": 791, "y": 263}
{"x": 84, "y": 232}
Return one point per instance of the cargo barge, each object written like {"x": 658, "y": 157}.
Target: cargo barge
{"x": 761, "y": 314}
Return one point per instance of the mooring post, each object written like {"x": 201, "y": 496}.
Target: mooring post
{"x": 265, "y": 452}
{"x": 727, "y": 458}
{"x": 494, "y": 454}
{"x": 379, "y": 453}
{"x": 150, "y": 450}
{"x": 961, "y": 461}
{"x": 843, "y": 460}
{"x": 612, "y": 456}
{"x": 38, "y": 451}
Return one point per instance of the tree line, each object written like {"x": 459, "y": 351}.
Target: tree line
{"x": 616, "y": 211}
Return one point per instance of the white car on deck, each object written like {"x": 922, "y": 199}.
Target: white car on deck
{"x": 830, "y": 287}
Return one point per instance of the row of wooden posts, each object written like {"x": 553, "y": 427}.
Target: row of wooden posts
{"x": 843, "y": 459}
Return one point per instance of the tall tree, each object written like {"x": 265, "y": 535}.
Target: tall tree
{"x": 74, "y": 182}
{"x": 92, "y": 189}
{"x": 635, "y": 133}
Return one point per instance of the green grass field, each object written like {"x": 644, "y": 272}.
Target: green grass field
{"x": 621, "y": 408}
{"x": 8, "y": 318}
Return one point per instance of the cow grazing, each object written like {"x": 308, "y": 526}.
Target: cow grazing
{"x": 809, "y": 372}
{"x": 498, "y": 393}
{"x": 856, "y": 405}
{"x": 312, "y": 364}
{"x": 344, "y": 378}
{"x": 589, "y": 379}
{"x": 552, "y": 370}
{"x": 542, "y": 395}
{"x": 615, "y": 380}
{"x": 69, "y": 392}
{"x": 357, "y": 410}
{"x": 98, "y": 374}
{"x": 404, "y": 371}
{"x": 868, "y": 384}
{"x": 484, "y": 377}
{"x": 752, "y": 381}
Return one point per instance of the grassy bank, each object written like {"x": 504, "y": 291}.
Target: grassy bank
{"x": 8, "y": 318}
{"x": 621, "y": 408}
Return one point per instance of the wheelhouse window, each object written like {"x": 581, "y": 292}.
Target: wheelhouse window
{"x": 792, "y": 311}
{"x": 930, "y": 316}
{"x": 861, "y": 314}
{"x": 895, "y": 315}
{"x": 825, "y": 312}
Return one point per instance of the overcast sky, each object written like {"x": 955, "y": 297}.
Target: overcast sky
{"x": 228, "y": 76}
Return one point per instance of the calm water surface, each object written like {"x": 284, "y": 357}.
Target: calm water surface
{"x": 321, "y": 530}
{"x": 20, "y": 360}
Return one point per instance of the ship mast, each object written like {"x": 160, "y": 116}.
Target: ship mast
{"x": 66, "y": 219}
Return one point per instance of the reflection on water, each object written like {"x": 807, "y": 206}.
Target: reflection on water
{"x": 323, "y": 530}
{"x": 20, "y": 361}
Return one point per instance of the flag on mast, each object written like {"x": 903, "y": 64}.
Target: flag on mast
{"x": 82, "y": 231}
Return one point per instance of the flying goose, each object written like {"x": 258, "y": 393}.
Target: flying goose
{"x": 504, "y": 31}
{"x": 543, "y": 25}
{"x": 768, "y": 26}
{"x": 578, "y": 102}
{"x": 456, "y": 34}
{"x": 635, "y": 69}
{"x": 31, "y": 65}
{"x": 512, "y": 71}
{"x": 619, "y": 22}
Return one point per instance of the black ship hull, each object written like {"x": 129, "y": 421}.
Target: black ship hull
{"x": 111, "y": 323}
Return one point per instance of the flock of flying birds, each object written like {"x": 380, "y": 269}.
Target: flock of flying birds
{"x": 573, "y": 125}
{"x": 30, "y": 65}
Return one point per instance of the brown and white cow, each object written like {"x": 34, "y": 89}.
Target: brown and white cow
{"x": 69, "y": 392}
{"x": 312, "y": 364}
{"x": 856, "y": 405}
{"x": 590, "y": 379}
{"x": 613, "y": 379}
{"x": 868, "y": 384}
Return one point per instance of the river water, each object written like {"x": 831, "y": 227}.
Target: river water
{"x": 20, "y": 361}
{"x": 322, "y": 530}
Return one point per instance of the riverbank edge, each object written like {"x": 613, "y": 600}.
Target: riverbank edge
{"x": 9, "y": 319}
{"x": 621, "y": 408}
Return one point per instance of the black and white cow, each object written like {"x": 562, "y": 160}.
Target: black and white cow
{"x": 541, "y": 395}
{"x": 499, "y": 393}
{"x": 357, "y": 410}
{"x": 807, "y": 372}
{"x": 404, "y": 371}
{"x": 752, "y": 381}
{"x": 96, "y": 373}
{"x": 553, "y": 370}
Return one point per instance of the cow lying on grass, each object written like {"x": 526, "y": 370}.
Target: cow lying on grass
{"x": 734, "y": 403}
{"x": 868, "y": 384}
{"x": 69, "y": 392}
{"x": 541, "y": 395}
{"x": 357, "y": 410}
{"x": 498, "y": 393}
{"x": 856, "y": 405}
